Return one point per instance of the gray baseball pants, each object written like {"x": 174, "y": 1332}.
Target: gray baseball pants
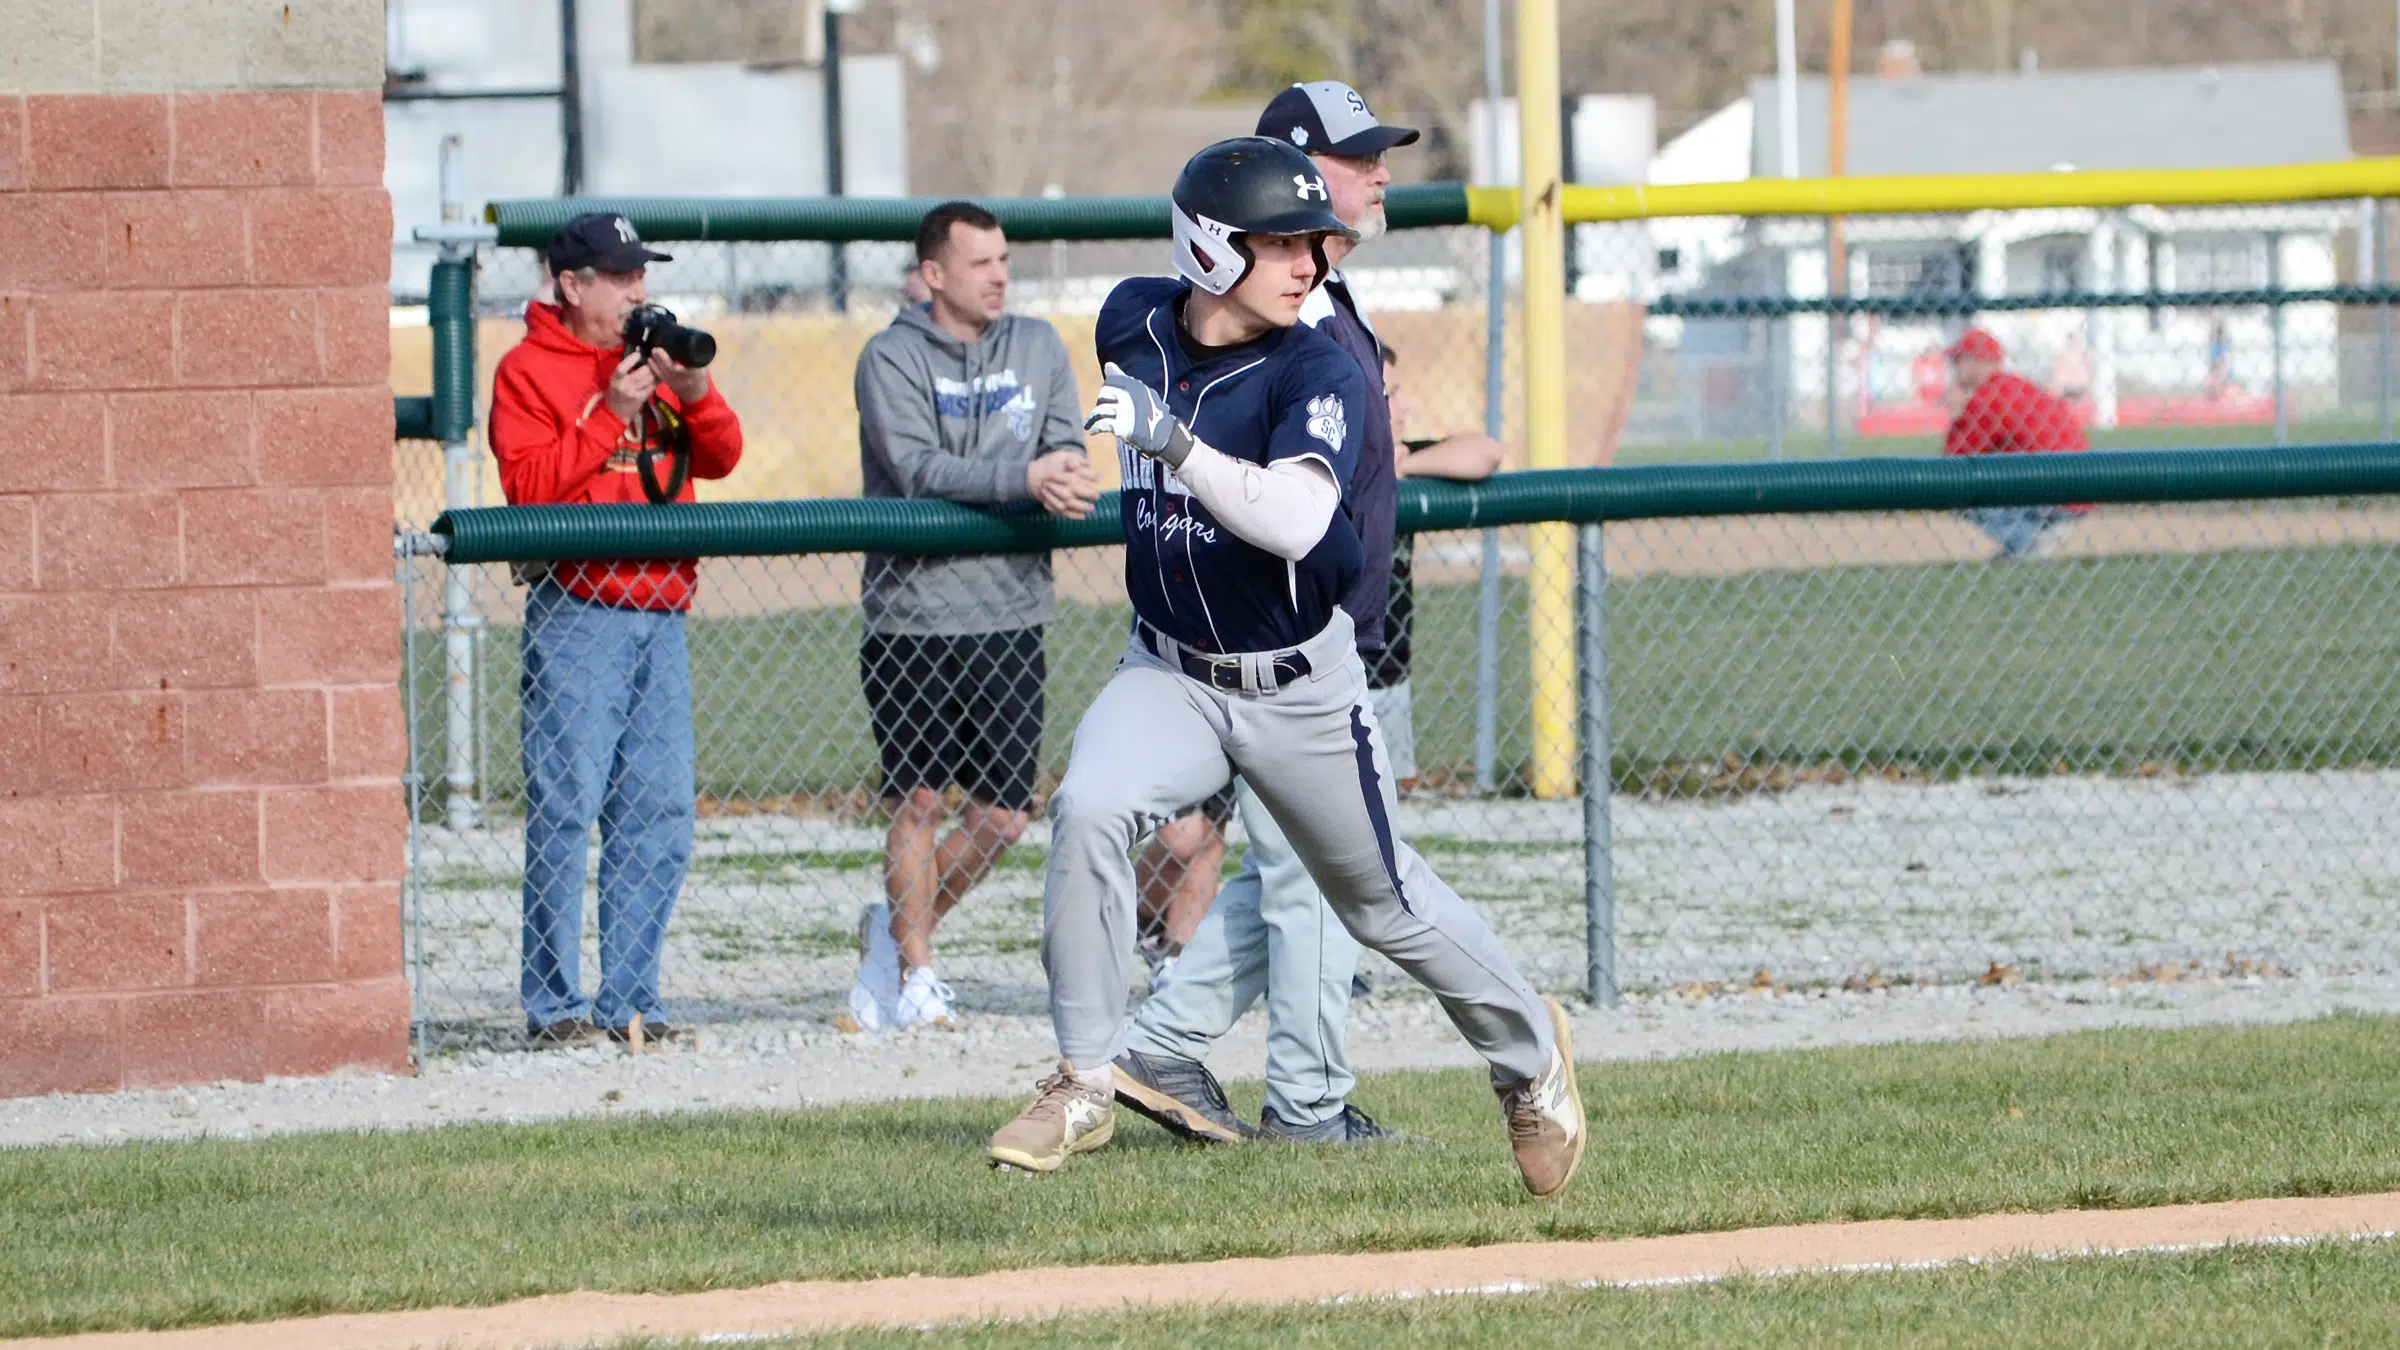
{"x": 1156, "y": 740}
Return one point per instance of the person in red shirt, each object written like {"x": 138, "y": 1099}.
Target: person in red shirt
{"x": 2007, "y": 414}
{"x": 606, "y": 732}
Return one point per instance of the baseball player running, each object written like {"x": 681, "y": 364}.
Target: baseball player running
{"x": 1238, "y": 430}
{"x": 1269, "y": 932}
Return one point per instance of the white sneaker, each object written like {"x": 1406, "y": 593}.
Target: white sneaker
{"x": 875, "y": 998}
{"x": 925, "y": 1001}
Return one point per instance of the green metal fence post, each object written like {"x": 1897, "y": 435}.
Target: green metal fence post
{"x": 1495, "y": 356}
{"x": 2377, "y": 276}
{"x": 1599, "y": 860}
{"x": 450, "y": 308}
{"x": 2283, "y": 435}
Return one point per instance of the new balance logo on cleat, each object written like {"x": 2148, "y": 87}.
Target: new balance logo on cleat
{"x": 1545, "y": 1114}
{"x": 1083, "y": 1116}
{"x": 1066, "y": 1118}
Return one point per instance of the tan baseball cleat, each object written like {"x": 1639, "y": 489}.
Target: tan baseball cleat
{"x": 1545, "y": 1114}
{"x": 1066, "y": 1118}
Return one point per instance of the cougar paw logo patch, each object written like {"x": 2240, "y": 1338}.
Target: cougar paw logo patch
{"x": 1327, "y": 420}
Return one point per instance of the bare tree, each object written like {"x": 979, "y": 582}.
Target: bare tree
{"x": 1421, "y": 62}
{"x": 1031, "y": 92}
{"x": 1020, "y": 88}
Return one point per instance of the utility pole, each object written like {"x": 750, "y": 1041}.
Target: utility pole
{"x": 837, "y": 274}
{"x": 570, "y": 101}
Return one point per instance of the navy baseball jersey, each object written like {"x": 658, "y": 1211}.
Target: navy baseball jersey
{"x": 1291, "y": 394}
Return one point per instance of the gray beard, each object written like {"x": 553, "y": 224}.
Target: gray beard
{"x": 1372, "y": 227}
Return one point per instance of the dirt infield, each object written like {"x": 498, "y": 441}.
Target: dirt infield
{"x": 585, "y": 1318}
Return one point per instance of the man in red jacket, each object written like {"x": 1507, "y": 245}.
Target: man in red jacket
{"x": 607, "y": 693}
{"x": 2007, "y": 414}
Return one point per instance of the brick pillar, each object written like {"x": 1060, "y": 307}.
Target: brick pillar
{"x": 200, "y": 738}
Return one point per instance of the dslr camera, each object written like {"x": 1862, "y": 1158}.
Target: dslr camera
{"x": 653, "y": 328}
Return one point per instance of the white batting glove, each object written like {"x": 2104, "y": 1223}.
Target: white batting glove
{"x": 1133, "y": 412}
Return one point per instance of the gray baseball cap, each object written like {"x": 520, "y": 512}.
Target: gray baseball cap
{"x": 1328, "y": 117}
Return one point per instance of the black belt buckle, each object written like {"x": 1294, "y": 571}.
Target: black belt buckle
{"x": 1225, "y": 675}
{"x": 1223, "y": 672}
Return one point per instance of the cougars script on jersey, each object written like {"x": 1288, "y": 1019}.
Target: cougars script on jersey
{"x": 1292, "y": 394}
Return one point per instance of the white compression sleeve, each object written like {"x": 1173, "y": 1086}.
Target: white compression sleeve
{"x": 1282, "y": 508}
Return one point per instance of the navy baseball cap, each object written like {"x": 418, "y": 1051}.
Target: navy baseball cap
{"x": 1327, "y": 117}
{"x": 603, "y": 240}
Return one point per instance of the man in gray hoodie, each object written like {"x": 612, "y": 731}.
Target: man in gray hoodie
{"x": 961, "y": 401}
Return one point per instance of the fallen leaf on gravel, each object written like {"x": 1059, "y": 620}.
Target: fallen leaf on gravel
{"x": 2165, "y": 972}
{"x": 2000, "y": 974}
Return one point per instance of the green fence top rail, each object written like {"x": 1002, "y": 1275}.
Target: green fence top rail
{"x": 850, "y": 525}
{"x": 1964, "y": 303}
{"x": 530, "y": 223}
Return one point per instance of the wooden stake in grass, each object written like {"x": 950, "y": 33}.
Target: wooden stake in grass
{"x": 634, "y": 1040}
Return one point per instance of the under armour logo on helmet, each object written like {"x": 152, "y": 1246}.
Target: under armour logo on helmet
{"x": 1311, "y": 187}
{"x": 625, "y": 230}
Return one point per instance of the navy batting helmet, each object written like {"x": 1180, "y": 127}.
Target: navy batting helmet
{"x": 1248, "y": 185}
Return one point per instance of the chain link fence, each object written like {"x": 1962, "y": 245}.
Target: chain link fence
{"x": 1702, "y": 339}
{"x": 794, "y": 837}
{"x": 1850, "y": 749}
{"x": 2185, "y": 326}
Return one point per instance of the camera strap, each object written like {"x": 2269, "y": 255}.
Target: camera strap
{"x": 665, "y": 432}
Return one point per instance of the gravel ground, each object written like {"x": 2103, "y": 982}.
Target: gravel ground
{"x": 1868, "y": 910}
{"x": 783, "y": 1064}
{"x": 2061, "y": 877}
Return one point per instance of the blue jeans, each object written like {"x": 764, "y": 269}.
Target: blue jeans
{"x": 2014, "y": 528}
{"x": 607, "y": 739}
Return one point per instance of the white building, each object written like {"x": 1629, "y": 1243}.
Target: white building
{"x": 716, "y": 128}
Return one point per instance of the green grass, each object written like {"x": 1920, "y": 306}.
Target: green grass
{"x": 2239, "y": 660}
{"x": 174, "y": 1234}
{"x": 2245, "y": 659}
{"x": 2320, "y": 1294}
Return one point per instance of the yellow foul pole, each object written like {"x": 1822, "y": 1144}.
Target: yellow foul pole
{"x": 1552, "y": 581}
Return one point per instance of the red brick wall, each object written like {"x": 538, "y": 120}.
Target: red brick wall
{"x": 200, "y": 739}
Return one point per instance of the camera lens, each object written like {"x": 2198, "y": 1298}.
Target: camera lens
{"x": 688, "y": 346}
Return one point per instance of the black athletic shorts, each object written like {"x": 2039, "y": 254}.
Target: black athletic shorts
{"x": 962, "y": 711}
